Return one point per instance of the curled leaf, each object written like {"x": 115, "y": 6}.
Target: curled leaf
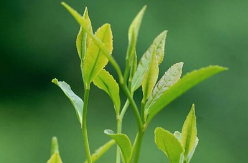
{"x": 106, "y": 82}
{"x": 123, "y": 142}
{"x": 82, "y": 41}
{"x": 55, "y": 157}
{"x": 76, "y": 101}
{"x": 133, "y": 33}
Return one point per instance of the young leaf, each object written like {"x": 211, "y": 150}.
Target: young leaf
{"x": 188, "y": 81}
{"x": 123, "y": 142}
{"x": 145, "y": 60}
{"x": 133, "y": 32}
{"x": 168, "y": 79}
{"x": 178, "y": 135}
{"x": 133, "y": 67}
{"x": 76, "y": 101}
{"x": 55, "y": 146}
{"x": 82, "y": 41}
{"x": 55, "y": 158}
{"x": 101, "y": 150}
{"x": 160, "y": 42}
{"x": 169, "y": 144}
{"x": 190, "y": 155}
{"x": 95, "y": 60}
{"x": 189, "y": 133}
{"x": 150, "y": 77}
{"x": 106, "y": 82}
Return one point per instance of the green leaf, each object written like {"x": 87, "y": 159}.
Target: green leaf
{"x": 188, "y": 81}
{"x": 55, "y": 146}
{"x": 191, "y": 153}
{"x": 133, "y": 66}
{"x": 168, "y": 79}
{"x": 106, "y": 82}
{"x": 150, "y": 77}
{"x": 123, "y": 142}
{"x": 101, "y": 150}
{"x": 178, "y": 135}
{"x": 83, "y": 41}
{"x": 133, "y": 32}
{"x": 95, "y": 60}
{"x": 55, "y": 158}
{"x": 145, "y": 60}
{"x": 76, "y": 101}
{"x": 160, "y": 43}
{"x": 169, "y": 144}
{"x": 189, "y": 133}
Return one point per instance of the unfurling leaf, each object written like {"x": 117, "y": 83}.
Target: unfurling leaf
{"x": 106, "y": 82}
{"x": 83, "y": 41}
{"x": 189, "y": 135}
{"x": 76, "y": 101}
{"x": 150, "y": 77}
{"x": 158, "y": 43}
{"x": 169, "y": 144}
{"x": 188, "y": 81}
{"x": 133, "y": 33}
{"x": 101, "y": 151}
{"x": 123, "y": 142}
{"x": 95, "y": 60}
{"x": 168, "y": 79}
{"x": 55, "y": 158}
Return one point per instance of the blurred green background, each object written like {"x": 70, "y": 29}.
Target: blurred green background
{"x": 38, "y": 43}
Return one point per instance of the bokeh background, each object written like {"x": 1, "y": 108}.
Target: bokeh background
{"x": 37, "y": 43}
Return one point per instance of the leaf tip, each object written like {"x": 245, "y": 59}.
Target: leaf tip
{"x": 64, "y": 4}
{"x": 55, "y": 81}
{"x": 108, "y": 132}
{"x": 55, "y": 146}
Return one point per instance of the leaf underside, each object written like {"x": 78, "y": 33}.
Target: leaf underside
{"x": 123, "y": 142}
{"x": 106, "y": 82}
{"x": 76, "y": 101}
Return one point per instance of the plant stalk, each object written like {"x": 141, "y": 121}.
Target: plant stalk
{"x": 137, "y": 146}
{"x": 84, "y": 124}
{"x": 119, "y": 120}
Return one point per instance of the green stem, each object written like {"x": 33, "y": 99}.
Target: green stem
{"x": 133, "y": 105}
{"x": 119, "y": 119}
{"x": 118, "y": 150}
{"x": 84, "y": 125}
{"x": 143, "y": 102}
{"x": 137, "y": 146}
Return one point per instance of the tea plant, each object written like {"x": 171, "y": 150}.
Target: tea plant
{"x": 94, "y": 50}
